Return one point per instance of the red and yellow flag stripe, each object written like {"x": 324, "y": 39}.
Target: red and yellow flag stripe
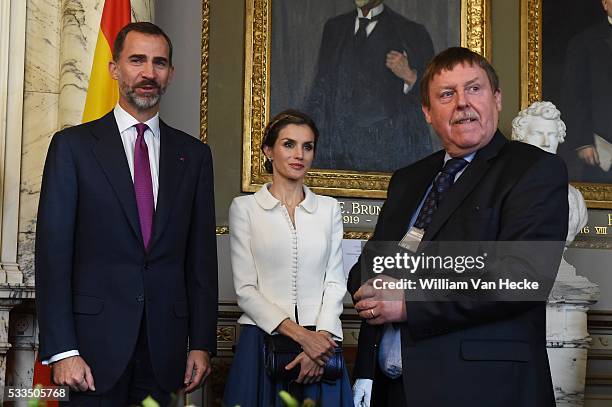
{"x": 102, "y": 93}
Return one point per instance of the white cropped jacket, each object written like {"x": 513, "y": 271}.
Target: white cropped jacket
{"x": 277, "y": 267}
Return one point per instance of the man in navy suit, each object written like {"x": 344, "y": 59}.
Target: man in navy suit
{"x": 465, "y": 351}
{"x": 126, "y": 262}
{"x": 365, "y": 95}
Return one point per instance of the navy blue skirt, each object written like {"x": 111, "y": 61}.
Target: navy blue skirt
{"x": 248, "y": 384}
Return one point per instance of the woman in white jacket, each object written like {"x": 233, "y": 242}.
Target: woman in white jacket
{"x": 286, "y": 254}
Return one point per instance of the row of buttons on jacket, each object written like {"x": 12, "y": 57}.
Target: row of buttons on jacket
{"x": 294, "y": 255}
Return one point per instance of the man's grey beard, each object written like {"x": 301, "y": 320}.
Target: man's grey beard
{"x": 142, "y": 102}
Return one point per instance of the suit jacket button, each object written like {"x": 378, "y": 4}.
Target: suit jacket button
{"x": 140, "y": 298}
{"x": 146, "y": 266}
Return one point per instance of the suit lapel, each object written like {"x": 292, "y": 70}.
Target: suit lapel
{"x": 171, "y": 169}
{"x": 465, "y": 184}
{"x": 110, "y": 154}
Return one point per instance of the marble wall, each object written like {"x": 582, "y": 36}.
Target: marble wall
{"x": 60, "y": 41}
{"x": 41, "y": 96}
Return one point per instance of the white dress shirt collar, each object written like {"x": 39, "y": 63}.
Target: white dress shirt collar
{"x": 373, "y": 12}
{"x": 610, "y": 20}
{"x": 125, "y": 121}
{"x": 467, "y": 158}
{"x": 267, "y": 201}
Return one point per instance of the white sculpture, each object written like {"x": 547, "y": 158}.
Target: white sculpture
{"x": 566, "y": 322}
{"x": 541, "y": 125}
{"x": 578, "y": 215}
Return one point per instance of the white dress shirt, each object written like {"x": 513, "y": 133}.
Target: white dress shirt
{"x": 278, "y": 267}
{"x": 126, "y": 123}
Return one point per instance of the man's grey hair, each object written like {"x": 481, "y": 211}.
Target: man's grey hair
{"x": 545, "y": 110}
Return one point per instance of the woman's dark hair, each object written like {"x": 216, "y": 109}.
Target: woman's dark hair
{"x": 279, "y": 122}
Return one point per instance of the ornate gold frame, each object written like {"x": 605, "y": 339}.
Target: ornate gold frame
{"x": 475, "y": 34}
{"x": 204, "y": 71}
{"x": 595, "y": 195}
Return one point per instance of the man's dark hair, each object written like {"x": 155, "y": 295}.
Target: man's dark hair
{"x": 447, "y": 60}
{"x": 143, "y": 27}
{"x": 279, "y": 122}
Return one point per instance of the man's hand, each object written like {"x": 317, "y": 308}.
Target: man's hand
{"x": 398, "y": 63}
{"x": 197, "y": 370}
{"x": 310, "y": 371}
{"x": 362, "y": 392}
{"x": 73, "y": 372}
{"x": 379, "y": 306}
{"x": 589, "y": 155}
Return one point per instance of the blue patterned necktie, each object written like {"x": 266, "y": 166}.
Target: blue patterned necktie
{"x": 440, "y": 187}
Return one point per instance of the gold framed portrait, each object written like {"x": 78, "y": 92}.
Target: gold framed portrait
{"x": 288, "y": 44}
{"x": 561, "y": 63}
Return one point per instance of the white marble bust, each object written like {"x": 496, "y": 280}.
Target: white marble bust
{"x": 541, "y": 125}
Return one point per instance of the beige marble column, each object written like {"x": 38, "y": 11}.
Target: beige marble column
{"x": 5, "y": 308}
{"x": 40, "y": 107}
{"x": 23, "y": 337}
{"x": 12, "y": 50}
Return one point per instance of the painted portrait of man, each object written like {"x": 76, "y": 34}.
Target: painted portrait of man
{"x": 576, "y": 66}
{"x": 355, "y": 65}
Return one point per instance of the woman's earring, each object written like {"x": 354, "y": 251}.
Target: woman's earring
{"x": 268, "y": 165}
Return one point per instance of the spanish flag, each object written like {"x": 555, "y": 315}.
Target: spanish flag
{"x": 103, "y": 93}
